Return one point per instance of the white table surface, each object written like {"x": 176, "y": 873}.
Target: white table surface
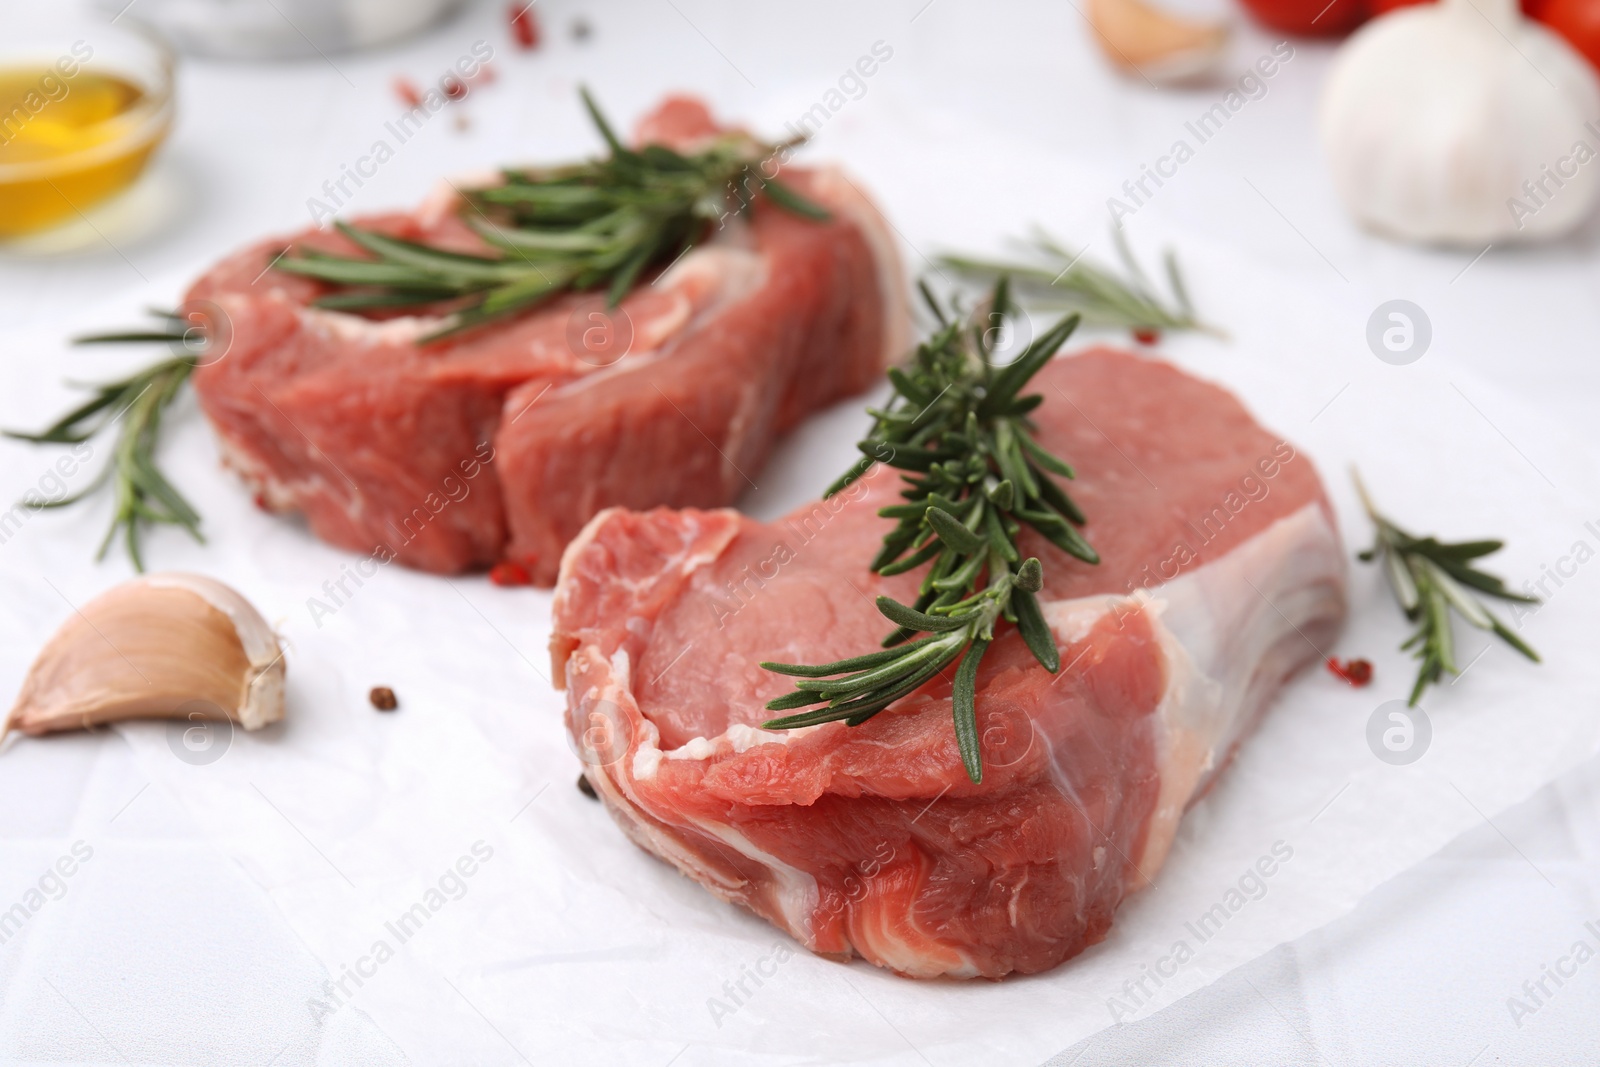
{"x": 164, "y": 951}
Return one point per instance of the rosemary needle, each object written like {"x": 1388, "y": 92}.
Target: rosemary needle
{"x": 958, "y": 428}
{"x": 1431, "y": 579}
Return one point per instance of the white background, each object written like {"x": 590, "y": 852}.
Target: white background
{"x": 166, "y": 951}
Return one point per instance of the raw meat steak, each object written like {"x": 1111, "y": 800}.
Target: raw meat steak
{"x": 503, "y": 442}
{"x": 1220, "y": 569}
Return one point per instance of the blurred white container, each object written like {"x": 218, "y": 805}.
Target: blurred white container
{"x": 283, "y": 29}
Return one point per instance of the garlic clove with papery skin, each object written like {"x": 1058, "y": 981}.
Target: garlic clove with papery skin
{"x": 1155, "y": 44}
{"x": 167, "y": 645}
{"x": 1462, "y": 123}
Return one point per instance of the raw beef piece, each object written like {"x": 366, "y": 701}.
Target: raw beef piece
{"x": 503, "y": 442}
{"x": 1221, "y": 571}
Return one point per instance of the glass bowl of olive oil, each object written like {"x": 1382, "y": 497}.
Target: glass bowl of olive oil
{"x": 83, "y": 105}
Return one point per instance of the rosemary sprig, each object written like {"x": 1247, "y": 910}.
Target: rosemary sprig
{"x": 135, "y": 405}
{"x": 974, "y": 476}
{"x": 593, "y": 225}
{"x": 1432, "y": 578}
{"x": 1053, "y": 277}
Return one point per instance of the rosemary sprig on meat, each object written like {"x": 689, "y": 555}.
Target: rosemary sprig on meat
{"x": 134, "y": 406}
{"x": 1053, "y": 277}
{"x": 592, "y": 225}
{"x": 585, "y": 226}
{"x": 1431, "y": 579}
{"x": 974, "y": 476}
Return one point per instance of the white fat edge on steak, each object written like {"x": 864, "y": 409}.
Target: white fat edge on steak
{"x": 925, "y": 955}
{"x": 744, "y": 416}
{"x": 1070, "y": 621}
{"x": 1227, "y": 641}
{"x": 615, "y": 786}
{"x": 723, "y": 268}
{"x": 794, "y": 892}
{"x": 569, "y": 559}
{"x": 275, "y": 493}
{"x": 284, "y": 495}
{"x": 1306, "y": 589}
{"x": 350, "y": 328}
{"x": 686, "y": 563}
{"x": 738, "y": 738}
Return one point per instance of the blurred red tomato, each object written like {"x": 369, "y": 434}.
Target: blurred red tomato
{"x": 1576, "y": 20}
{"x": 1310, "y": 18}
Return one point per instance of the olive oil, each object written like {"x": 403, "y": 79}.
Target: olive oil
{"x": 67, "y": 143}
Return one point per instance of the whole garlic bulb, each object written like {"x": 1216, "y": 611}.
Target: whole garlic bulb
{"x": 1463, "y": 123}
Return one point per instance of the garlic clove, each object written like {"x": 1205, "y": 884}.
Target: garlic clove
{"x": 168, "y": 645}
{"x": 1160, "y": 46}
